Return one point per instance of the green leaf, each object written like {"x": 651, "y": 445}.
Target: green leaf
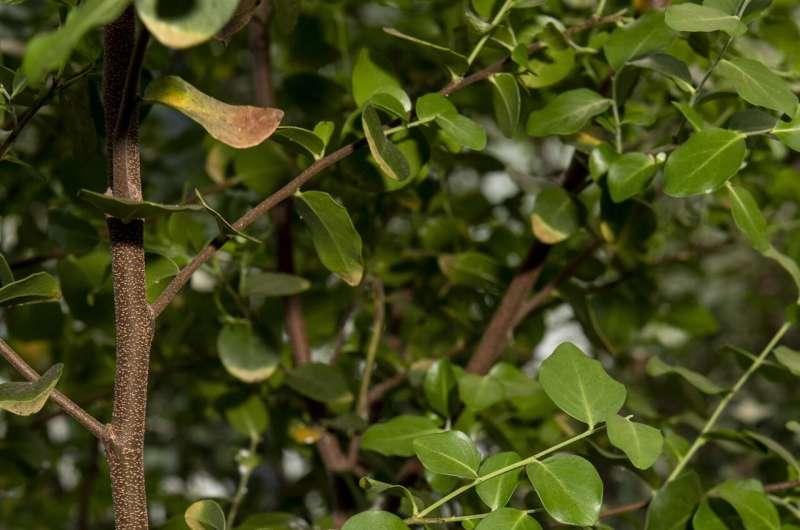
{"x": 667, "y": 65}
{"x": 568, "y": 113}
{"x": 243, "y": 354}
{"x": 321, "y": 382}
{"x": 629, "y": 175}
{"x": 673, "y": 504}
{"x": 375, "y": 520}
{"x": 47, "y": 52}
{"x": 694, "y": 17}
{"x": 389, "y": 158}
{"x": 508, "y": 519}
{"x": 438, "y": 385}
{"x": 496, "y": 492}
{"x": 789, "y": 358}
{"x": 789, "y": 132}
{"x": 450, "y": 453}
{"x": 657, "y": 368}
{"x": 704, "y": 163}
{"x": 126, "y": 209}
{"x": 336, "y": 241}
{"x": 273, "y": 284}
{"x": 184, "y": 25}
{"x": 600, "y": 159}
{"x": 369, "y": 79}
{"x": 6, "y": 276}
{"x": 646, "y": 35}
{"x": 692, "y": 116}
{"x": 705, "y": 518}
{"x": 389, "y": 105}
{"x": 159, "y": 270}
{"x": 554, "y": 67}
{"x": 470, "y": 268}
{"x": 748, "y": 217}
{"x": 308, "y": 140}
{"x": 555, "y": 216}
{"x": 506, "y": 101}
{"x": 751, "y": 503}
{"x": 580, "y": 386}
{"x": 569, "y": 487}
{"x": 641, "y": 443}
{"x": 396, "y": 436}
{"x": 376, "y": 487}
{"x": 758, "y": 85}
{"x": 26, "y": 398}
{"x": 466, "y": 132}
{"x": 239, "y": 126}
{"x": 224, "y": 226}
{"x": 205, "y": 515}
{"x": 788, "y": 264}
{"x": 249, "y": 417}
{"x": 38, "y": 287}
{"x": 479, "y": 392}
{"x": 429, "y": 106}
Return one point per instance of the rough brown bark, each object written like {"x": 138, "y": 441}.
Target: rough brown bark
{"x": 133, "y": 316}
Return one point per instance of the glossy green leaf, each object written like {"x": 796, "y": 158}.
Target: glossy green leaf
{"x": 580, "y": 386}
{"x": 629, "y": 175}
{"x": 249, "y": 417}
{"x": 641, "y": 443}
{"x": 508, "y": 519}
{"x": 751, "y": 503}
{"x": 388, "y": 104}
{"x": 691, "y": 115}
{"x": 748, "y": 217}
{"x": 657, "y": 368}
{"x": 50, "y": 51}
{"x": 273, "y": 284}
{"x": 396, "y": 436}
{"x": 704, "y": 163}
{"x": 568, "y": 113}
{"x": 244, "y": 355}
{"x": 759, "y": 85}
{"x": 369, "y": 79}
{"x": 126, "y": 209}
{"x": 464, "y": 131}
{"x": 38, "y": 287}
{"x": 496, "y": 492}
{"x": 224, "y": 226}
{"x": 788, "y": 264}
{"x": 376, "y": 487}
{"x": 788, "y": 132}
{"x": 694, "y": 17}
{"x": 184, "y": 25}
{"x": 600, "y": 159}
{"x": 6, "y": 276}
{"x": 321, "y": 382}
{"x": 554, "y": 67}
{"x": 450, "y": 453}
{"x": 388, "y": 157}
{"x": 479, "y": 392}
{"x": 555, "y": 216}
{"x": 239, "y": 126}
{"x": 569, "y": 487}
{"x": 672, "y": 506}
{"x": 429, "y": 106}
{"x": 506, "y": 102}
{"x": 159, "y": 270}
{"x": 308, "y": 140}
{"x": 706, "y": 519}
{"x": 335, "y": 238}
{"x": 643, "y": 36}
{"x": 375, "y": 520}
{"x": 26, "y": 398}
{"x": 205, "y": 515}
{"x": 438, "y": 385}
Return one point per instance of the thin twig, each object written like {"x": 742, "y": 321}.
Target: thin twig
{"x": 69, "y": 406}
{"x": 177, "y": 283}
{"x": 362, "y": 407}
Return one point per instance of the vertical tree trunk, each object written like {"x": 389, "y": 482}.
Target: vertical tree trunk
{"x": 133, "y": 316}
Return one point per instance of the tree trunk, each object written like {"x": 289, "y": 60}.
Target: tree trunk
{"x": 134, "y": 321}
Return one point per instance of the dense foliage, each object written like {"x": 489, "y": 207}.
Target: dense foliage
{"x": 493, "y": 264}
